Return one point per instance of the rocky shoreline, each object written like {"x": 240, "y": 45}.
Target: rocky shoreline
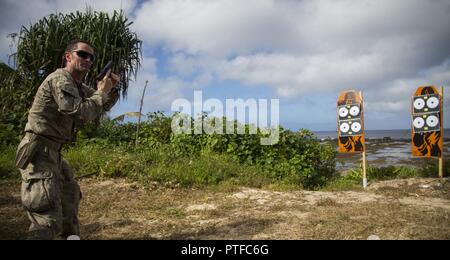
{"x": 384, "y": 152}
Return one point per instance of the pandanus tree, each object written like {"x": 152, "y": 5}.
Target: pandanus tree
{"x": 41, "y": 46}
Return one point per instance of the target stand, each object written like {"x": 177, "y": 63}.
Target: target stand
{"x": 427, "y": 124}
{"x": 350, "y": 123}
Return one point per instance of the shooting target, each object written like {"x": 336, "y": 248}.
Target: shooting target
{"x": 350, "y": 127}
{"x": 356, "y": 127}
{"x": 432, "y": 121}
{"x": 344, "y": 127}
{"x": 343, "y": 112}
{"x": 418, "y": 122}
{"x": 426, "y": 104}
{"x": 427, "y": 123}
{"x": 354, "y": 111}
{"x": 350, "y": 122}
{"x": 419, "y": 104}
{"x": 433, "y": 102}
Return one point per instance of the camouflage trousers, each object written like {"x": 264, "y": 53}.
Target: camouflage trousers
{"x": 50, "y": 195}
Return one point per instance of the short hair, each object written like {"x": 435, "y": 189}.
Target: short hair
{"x": 70, "y": 47}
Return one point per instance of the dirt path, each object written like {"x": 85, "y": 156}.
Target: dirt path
{"x": 119, "y": 209}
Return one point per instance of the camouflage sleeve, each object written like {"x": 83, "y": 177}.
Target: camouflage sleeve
{"x": 113, "y": 96}
{"x": 70, "y": 103}
{"x": 112, "y": 100}
{"x": 88, "y": 90}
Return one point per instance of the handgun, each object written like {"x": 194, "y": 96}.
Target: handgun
{"x": 104, "y": 71}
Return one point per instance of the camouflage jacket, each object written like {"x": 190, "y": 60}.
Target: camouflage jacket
{"x": 61, "y": 103}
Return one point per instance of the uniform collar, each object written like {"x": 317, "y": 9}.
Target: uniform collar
{"x": 77, "y": 83}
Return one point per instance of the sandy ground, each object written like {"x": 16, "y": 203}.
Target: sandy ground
{"x": 120, "y": 209}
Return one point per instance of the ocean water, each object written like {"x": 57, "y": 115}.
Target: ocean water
{"x": 396, "y": 152}
{"x": 403, "y": 134}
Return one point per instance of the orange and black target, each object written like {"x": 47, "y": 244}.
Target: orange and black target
{"x": 350, "y": 122}
{"x": 426, "y": 108}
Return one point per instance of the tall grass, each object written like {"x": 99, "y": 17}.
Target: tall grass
{"x": 161, "y": 164}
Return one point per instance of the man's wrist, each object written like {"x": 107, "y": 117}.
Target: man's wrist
{"x": 104, "y": 96}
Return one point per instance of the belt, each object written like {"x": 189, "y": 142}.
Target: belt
{"x": 44, "y": 140}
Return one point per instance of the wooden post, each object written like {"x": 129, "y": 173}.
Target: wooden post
{"x": 364, "y": 170}
{"x": 140, "y": 113}
{"x": 441, "y": 159}
{"x": 364, "y": 148}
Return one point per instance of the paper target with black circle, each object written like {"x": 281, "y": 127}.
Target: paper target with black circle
{"x": 426, "y": 108}
{"x": 426, "y": 104}
{"x": 350, "y": 127}
{"x": 426, "y": 123}
{"x": 350, "y": 111}
{"x": 350, "y": 122}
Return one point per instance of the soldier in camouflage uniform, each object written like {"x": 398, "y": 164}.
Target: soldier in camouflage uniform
{"x": 50, "y": 194}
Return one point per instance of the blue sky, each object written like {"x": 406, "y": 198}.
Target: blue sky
{"x": 303, "y": 52}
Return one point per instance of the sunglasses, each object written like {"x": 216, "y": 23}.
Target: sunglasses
{"x": 85, "y": 55}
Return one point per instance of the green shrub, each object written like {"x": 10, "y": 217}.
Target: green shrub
{"x": 353, "y": 178}
{"x": 7, "y": 167}
{"x": 297, "y": 157}
{"x": 431, "y": 168}
{"x": 9, "y": 134}
{"x": 383, "y": 173}
{"x": 190, "y": 159}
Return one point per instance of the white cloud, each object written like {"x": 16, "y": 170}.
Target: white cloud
{"x": 385, "y": 48}
{"x": 213, "y": 27}
{"x": 296, "y": 46}
{"x": 293, "y": 75}
{"x": 233, "y": 26}
{"x": 395, "y": 95}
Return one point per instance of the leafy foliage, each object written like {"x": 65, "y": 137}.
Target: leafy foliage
{"x": 8, "y": 169}
{"x": 14, "y": 100}
{"x": 42, "y": 45}
{"x": 297, "y": 158}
